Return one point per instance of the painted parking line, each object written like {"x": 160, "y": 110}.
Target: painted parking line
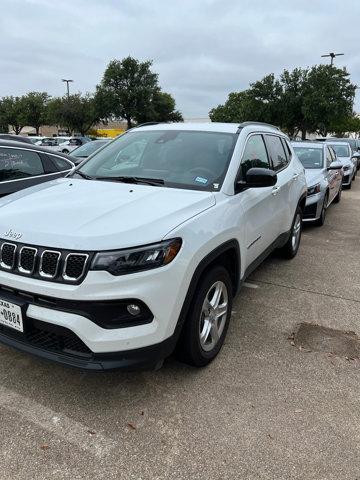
{"x": 60, "y": 425}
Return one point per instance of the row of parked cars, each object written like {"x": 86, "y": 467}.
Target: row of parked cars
{"x": 139, "y": 251}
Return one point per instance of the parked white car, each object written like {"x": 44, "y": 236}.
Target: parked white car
{"x": 138, "y": 254}
{"x": 323, "y": 176}
{"x": 344, "y": 155}
{"x": 72, "y": 143}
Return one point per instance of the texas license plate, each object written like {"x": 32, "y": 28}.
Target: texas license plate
{"x": 11, "y": 315}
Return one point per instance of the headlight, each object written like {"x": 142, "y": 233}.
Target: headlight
{"x": 314, "y": 189}
{"x": 346, "y": 168}
{"x": 121, "y": 262}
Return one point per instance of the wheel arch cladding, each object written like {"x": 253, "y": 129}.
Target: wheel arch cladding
{"x": 226, "y": 254}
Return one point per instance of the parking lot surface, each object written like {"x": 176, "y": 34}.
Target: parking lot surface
{"x": 264, "y": 409}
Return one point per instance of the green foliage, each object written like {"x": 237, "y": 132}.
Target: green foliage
{"x": 12, "y": 112}
{"x": 77, "y": 113}
{"x": 35, "y": 109}
{"x": 128, "y": 87}
{"x": 161, "y": 109}
{"x": 313, "y": 100}
{"x": 130, "y": 90}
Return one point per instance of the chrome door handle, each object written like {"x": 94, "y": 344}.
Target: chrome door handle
{"x": 295, "y": 176}
{"x": 275, "y": 190}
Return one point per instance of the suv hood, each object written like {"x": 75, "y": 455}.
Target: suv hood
{"x": 313, "y": 176}
{"x": 97, "y": 215}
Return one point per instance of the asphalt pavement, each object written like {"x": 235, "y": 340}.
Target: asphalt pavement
{"x": 267, "y": 408}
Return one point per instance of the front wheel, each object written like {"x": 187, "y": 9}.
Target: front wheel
{"x": 208, "y": 319}
{"x": 291, "y": 247}
{"x": 321, "y": 220}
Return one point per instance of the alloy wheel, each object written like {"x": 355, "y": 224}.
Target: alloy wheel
{"x": 213, "y": 316}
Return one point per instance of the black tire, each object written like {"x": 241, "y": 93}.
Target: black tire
{"x": 338, "y": 196}
{"x": 65, "y": 151}
{"x": 290, "y": 249}
{"x": 189, "y": 348}
{"x": 349, "y": 186}
{"x": 321, "y": 220}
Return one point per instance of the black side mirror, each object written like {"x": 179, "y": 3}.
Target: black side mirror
{"x": 258, "y": 178}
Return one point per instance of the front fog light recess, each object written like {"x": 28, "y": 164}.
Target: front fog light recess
{"x": 133, "y": 309}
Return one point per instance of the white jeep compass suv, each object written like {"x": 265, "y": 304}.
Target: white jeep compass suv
{"x": 141, "y": 250}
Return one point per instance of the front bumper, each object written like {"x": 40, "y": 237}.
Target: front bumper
{"x": 347, "y": 178}
{"x": 59, "y": 316}
{"x": 313, "y": 207}
{"x": 146, "y": 358}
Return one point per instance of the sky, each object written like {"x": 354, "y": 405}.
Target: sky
{"x": 201, "y": 49}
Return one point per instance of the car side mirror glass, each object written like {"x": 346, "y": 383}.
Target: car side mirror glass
{"x": 258, "y": 178}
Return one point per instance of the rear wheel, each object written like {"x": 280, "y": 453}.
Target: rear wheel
{"x": 291, "y": 247}
{"x": 208, "y": 319}
{"x": 65, "y": 151}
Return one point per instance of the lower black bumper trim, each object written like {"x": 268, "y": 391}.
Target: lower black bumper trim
{"x": 146, "y": 358}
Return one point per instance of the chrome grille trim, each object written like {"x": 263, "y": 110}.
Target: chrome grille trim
{"x": 22, "y": 269}
{"x": 74, "y": 279}
{"x": 47, "y": 264}
{"x": 47, "y": 275}
{"x": 2, "y": 264}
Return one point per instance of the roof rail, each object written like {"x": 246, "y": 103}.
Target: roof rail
{"x": 245, "y": 124}
{"x": 146, "y": 123}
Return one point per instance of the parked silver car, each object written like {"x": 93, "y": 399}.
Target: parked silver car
{"x": 324, "y": 175}
{"x": 344, "y": 155}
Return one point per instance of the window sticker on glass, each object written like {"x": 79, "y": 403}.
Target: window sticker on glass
{"x": 201, "y": 180}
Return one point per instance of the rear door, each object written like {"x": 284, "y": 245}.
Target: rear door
{"x": 337, "y": 174}
{"x": 283, "y": 191}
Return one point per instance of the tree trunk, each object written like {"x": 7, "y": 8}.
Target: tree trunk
{"x": 129, "y": 124}
{"x": 37, "y": 131}
{"x": 303, "y": 134}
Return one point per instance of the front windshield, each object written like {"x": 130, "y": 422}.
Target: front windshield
{"x": 341, "y": 150}
{"x": 310, "y": 157}
{"x": 88, "y": 148}
{"x": 180, "y": 158}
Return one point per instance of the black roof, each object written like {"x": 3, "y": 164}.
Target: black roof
{"x": 31, "y": 146}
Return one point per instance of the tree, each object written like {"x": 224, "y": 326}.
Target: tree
{"x": 127, "y": 88}
{"x": 77, "y": 113}
{"x": 310, "y": 100}
{"x": 35, "y": 104}
{"x": 344, "y": 126}
{"x": 292, "y": 118}
{"x": 161, "y": 109}
{"x": 12, "y": 112}
{"x": 260, "y": 103}
{"x": 328, "y": 97}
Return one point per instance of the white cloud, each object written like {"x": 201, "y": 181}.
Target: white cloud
{"x": 201, "y": 49}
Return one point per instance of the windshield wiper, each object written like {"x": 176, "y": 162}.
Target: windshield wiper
{"x": 146, "y": 181}
{"x": 83, "y": 175}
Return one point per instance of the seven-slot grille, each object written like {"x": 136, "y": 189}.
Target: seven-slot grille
{"x": 42, "y": 263}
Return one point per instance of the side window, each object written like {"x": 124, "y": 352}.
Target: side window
{"x": 60, "y": 163}
{"x": 255, "y": 155}
{"x": 287, "y": 149}
{"x": 16, "y": 164}
{"x": 333, "y": 154}
{"x": 277, "y": 152}
{"x": 329, "y": 158}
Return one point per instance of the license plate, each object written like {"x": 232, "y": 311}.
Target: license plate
{"x": 11, "y": 315}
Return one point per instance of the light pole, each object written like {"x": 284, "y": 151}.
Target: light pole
{"x": 67, "y": 81}
{"x": 332, "y": 55}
